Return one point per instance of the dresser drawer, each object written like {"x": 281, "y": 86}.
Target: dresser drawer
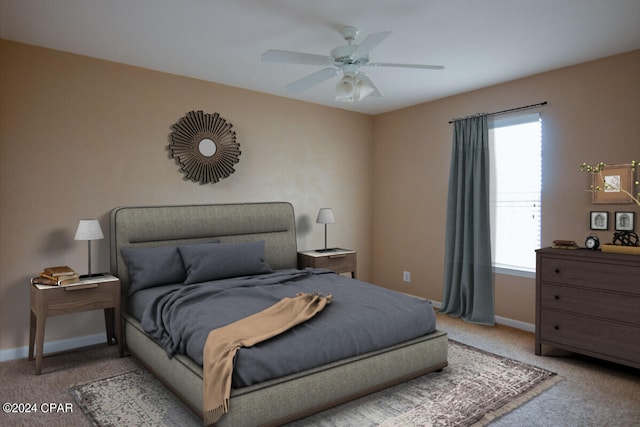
{"x": 617, "y": 307}
{"x": 601, "y": 275}
{"x": 616, "y": 340}
{"x": 75, "y": 298}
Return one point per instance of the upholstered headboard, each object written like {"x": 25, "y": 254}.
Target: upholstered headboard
{"x": 273, "y": 222}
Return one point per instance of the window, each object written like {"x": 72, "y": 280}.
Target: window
{"x": 515, "y": 144}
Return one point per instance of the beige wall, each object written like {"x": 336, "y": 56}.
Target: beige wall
{"x": 80, "y": 136}
{"x": 593, "y": 115}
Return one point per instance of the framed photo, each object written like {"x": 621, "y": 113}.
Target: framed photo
{"x": 625, "y": 221}
{"x": 599, "y": 220}
{"x": 611, "y": 181}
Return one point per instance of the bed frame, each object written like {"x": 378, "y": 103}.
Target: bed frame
{"x": 276, "y": 401}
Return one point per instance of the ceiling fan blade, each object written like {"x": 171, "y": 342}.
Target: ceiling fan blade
{"x": 287, "y": 57}
{"x": 312, "y": 79}
{"x": 369, "y": 43}
{"x": 419, "y": 66}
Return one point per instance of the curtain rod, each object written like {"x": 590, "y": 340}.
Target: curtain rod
{"x": 503, "y": 111}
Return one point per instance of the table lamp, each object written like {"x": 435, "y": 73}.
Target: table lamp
{"x": 325, "y": 216}
{"x": 89, "y": 229}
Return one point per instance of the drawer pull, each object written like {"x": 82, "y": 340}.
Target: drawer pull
{"x": 557, "y": 271}
{"x": 336, "y": 256}
{"x": 556, "y": 296}
{"x": 556, "y": 327}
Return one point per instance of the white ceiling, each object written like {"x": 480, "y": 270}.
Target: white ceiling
{"x": 480, "y": 42}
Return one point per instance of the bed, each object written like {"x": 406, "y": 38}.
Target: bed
{"x": 271, "y": 401}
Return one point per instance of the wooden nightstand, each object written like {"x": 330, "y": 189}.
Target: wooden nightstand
{"x": 338, "y": 260}
{"x": 101, "y": 292}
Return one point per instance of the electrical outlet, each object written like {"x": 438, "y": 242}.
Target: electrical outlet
{"x": 406, "y": 276}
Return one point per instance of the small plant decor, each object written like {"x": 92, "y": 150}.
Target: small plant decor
{"x": 598, "y": 169}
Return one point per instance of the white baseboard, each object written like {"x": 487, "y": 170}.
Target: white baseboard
{"x": 54, "y": 346}
{"x": 517, "y": 324}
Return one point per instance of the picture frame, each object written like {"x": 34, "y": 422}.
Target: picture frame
{"x": 599, "y": 220}
{"x": 625, "y": 221}
{"x": 611, "y": 181}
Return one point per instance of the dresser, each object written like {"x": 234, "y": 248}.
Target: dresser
{"x": 588, "y": 302}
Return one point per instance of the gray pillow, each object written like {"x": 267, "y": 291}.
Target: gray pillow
{"x": 205, "y": 262}
{"x": 153, "y": 266}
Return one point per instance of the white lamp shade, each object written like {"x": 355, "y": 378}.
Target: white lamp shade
{"x": 89, "y": 229}
{"x": 346, "y": 88}
{"x": 325, "y": 216}
{"x": 364, "y": 89}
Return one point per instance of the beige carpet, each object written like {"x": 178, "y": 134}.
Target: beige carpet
{"x": 477, "y": 386}
{"x": 19, "y": 384}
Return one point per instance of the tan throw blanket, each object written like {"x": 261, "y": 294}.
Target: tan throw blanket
{"x": 223, "y": 343}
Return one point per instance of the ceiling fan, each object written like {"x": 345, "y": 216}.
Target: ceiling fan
{"x": 355, "y": 84}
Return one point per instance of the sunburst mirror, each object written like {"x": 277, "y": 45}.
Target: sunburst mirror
{"x": 204, "y": 146}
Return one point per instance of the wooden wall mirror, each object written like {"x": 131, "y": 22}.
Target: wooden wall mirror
{"x": 204, "y": 146}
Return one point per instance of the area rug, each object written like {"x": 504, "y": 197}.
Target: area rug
{"x": 474, "y": 389}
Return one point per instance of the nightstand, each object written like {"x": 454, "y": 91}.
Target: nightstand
{"x": 338, "y": 260}
{"x": 98, "y": 292}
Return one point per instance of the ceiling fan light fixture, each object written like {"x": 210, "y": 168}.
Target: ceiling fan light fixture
{"x": 347, "y": 89}
{"x": 351, "y": 89}
{"x": 364, "y": 89}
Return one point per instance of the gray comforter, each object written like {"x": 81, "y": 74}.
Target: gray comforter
{"x": 362, "y": 318}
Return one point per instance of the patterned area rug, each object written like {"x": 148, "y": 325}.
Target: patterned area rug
{"x": 474, "y": 389}
{"x": 134, "y": 398}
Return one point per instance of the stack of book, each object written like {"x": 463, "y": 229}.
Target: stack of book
{"x": 57, "y": 276}
{"x": 564, "y": 244}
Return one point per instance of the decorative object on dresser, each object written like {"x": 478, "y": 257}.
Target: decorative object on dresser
{"x": 588, "y": 302}
{"x": 565, "y": 244}
{"x": 338, "y": 260}
{"x": 325, "y": 216}
{"x": 625, "y": 238}
{"x": 205, "y": 147}
{"x": 87, "y": 294}
{"x": 624, "y": 242}
{"x": 89, "y": 229}
{"x": 592, "y": 242}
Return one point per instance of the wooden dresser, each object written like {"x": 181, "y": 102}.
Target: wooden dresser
{"x": 588, "y": 302}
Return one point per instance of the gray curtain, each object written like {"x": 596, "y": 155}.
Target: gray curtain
{"x": 468, "y": 278}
